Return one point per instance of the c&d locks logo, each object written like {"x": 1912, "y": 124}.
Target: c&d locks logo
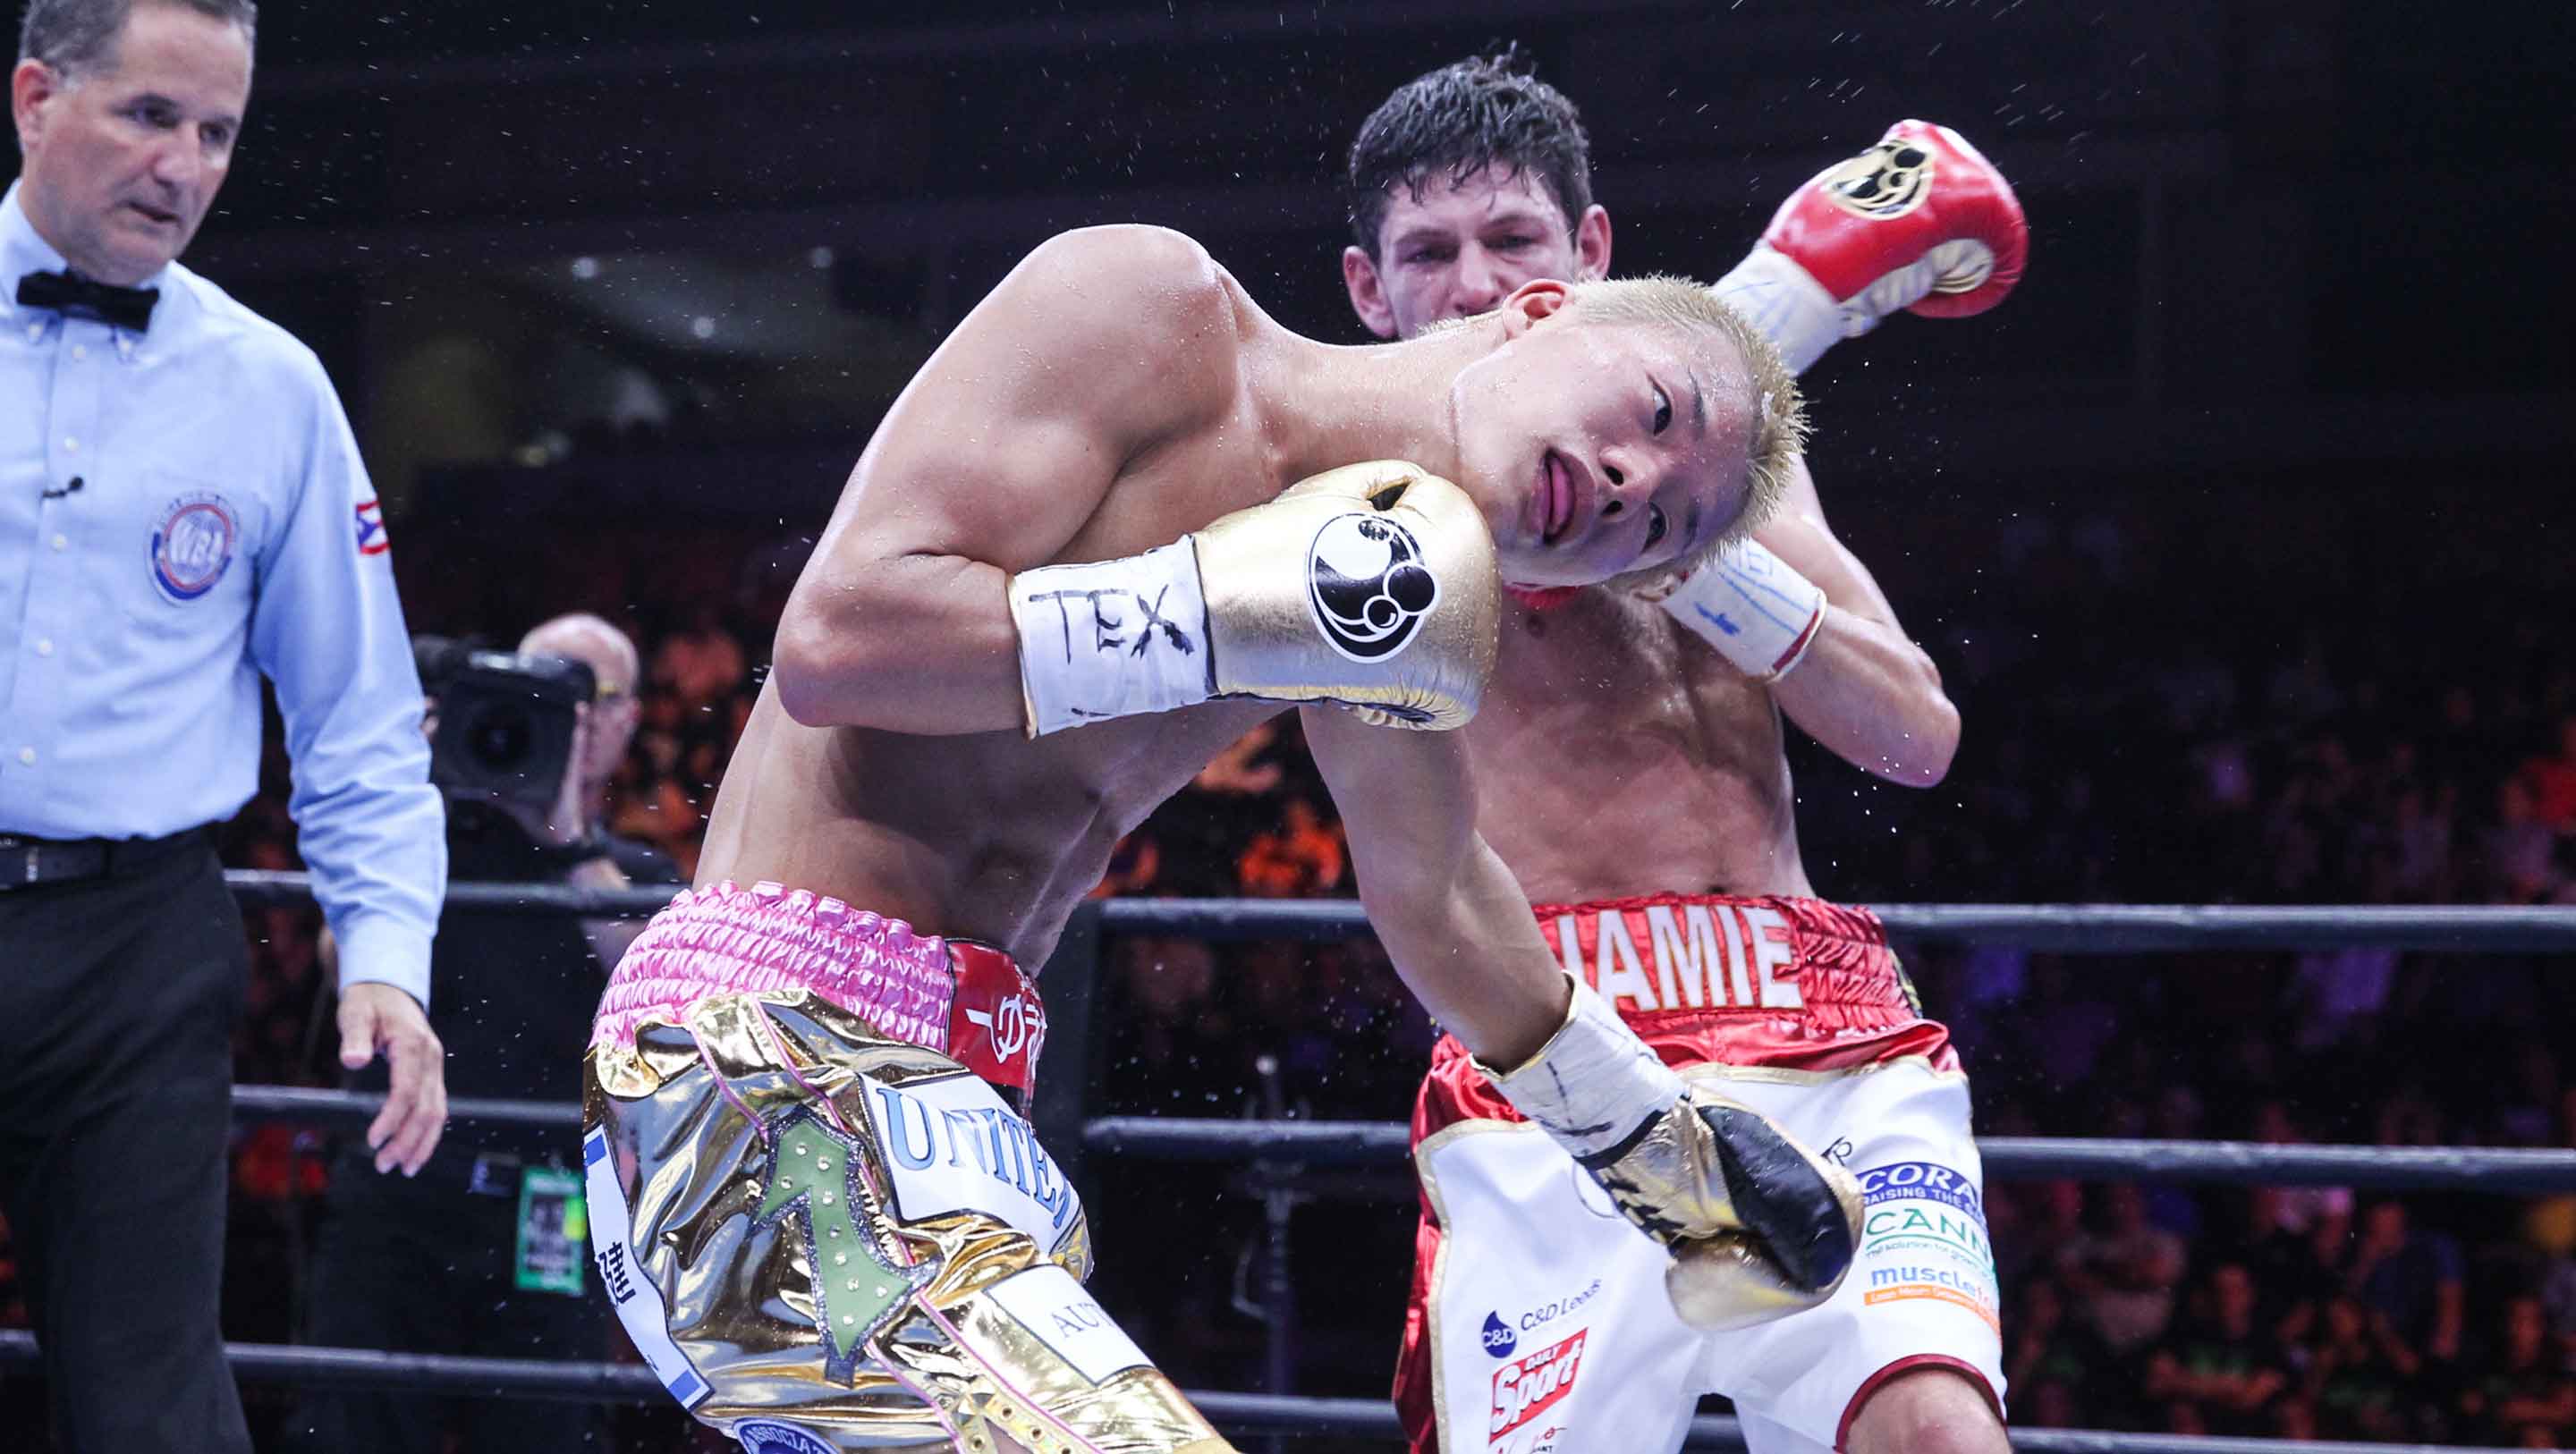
{"x": 1500, "y": 1340}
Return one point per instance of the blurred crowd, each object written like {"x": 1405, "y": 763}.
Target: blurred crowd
{"x": 2205, "y": 768}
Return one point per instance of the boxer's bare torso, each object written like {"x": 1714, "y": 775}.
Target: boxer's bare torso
{"x": 1637, "y": 759}
{"x": 991, "y": 835}
{"x": 987, "y": 837}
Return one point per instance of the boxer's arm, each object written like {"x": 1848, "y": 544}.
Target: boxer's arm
{"x": 1451, "y": 916}
{"x": 1863, "y": 688}
{"x": 994, "y": 457}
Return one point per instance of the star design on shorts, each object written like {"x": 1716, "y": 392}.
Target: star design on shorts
{"x": 860, "y": 1285}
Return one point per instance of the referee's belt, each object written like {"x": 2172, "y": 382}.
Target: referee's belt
{"x": 27, "y": 862}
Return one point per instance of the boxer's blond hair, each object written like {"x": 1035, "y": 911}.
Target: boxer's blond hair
{"x": 1779, "y": 413}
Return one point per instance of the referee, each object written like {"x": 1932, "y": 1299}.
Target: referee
{"x": 182, "y": 509}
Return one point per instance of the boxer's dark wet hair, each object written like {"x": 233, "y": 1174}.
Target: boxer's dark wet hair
{"x": 77, "y": 37}
{"x": 1484, "y": 112}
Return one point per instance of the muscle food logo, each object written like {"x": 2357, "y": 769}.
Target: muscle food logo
{"x": 1529, "y": 1386}
{"x": 1934, "y": 1284}
{"x": 1366, "y": 586}
{"x": 1888, "y": 180}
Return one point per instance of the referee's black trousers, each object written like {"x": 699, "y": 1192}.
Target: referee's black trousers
{"x": 117, "y": 1000}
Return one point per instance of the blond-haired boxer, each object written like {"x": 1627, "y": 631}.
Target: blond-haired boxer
{"x": 1070, "y": 567}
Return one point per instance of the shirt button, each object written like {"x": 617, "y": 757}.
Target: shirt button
{"x": 45, "y": 647}
{"x": 27, "y": 755}
{"x": 80, "y": 351}
{"x": 62, "y": 542}
{"x": 70, "y": 445}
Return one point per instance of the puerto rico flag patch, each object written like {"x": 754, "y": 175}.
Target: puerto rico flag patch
{"x": 372, "y": 539}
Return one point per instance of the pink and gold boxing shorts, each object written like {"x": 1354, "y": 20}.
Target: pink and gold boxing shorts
{"x": 816, "y": 1202}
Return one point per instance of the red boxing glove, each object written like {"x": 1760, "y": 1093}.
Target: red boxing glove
{"x": 1920, "y": 221}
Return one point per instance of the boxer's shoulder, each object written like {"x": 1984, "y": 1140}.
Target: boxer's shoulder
{"x": 1148, "y": 305}
{"x": 1150, "y": 275}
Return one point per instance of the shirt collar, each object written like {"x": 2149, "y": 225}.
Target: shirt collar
{"x": 23, "y": 250}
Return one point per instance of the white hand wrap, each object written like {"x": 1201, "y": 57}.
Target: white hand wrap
{"x": 1786, "y": 305}
{"x": 1752, "y": 607}
{"x": 1594, "y": 1082}
{"x": 1113, "y": 638}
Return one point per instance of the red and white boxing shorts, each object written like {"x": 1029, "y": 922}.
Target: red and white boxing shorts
{"x": 815, "y": 1202}
{"x": 1538, "y": 1318}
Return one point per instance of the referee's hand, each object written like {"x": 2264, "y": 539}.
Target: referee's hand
{"x": 378, "y": 1017}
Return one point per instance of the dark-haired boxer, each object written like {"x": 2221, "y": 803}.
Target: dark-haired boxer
{"x": 1630, "y": 755}
{"x": 1070, "y": 567}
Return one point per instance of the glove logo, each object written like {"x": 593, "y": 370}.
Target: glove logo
{"x": 1367, "y": 589}
{"x": 1888, "y": 180}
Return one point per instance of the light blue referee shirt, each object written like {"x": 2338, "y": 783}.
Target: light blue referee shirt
{"x": 182, "y": 510}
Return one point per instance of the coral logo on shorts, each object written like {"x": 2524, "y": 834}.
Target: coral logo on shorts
{"x": 1888, "y": 180}
{"x": 1367, "y": 589}
{"x": 1528, "y": 1387}
{"x": 193, "y": 545}
{"x": 760, "y": 1436}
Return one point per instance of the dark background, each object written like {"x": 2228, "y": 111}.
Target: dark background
{"x": 2240, "y": 528}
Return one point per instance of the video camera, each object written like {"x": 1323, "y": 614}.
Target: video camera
{"x": 505, "y": 721}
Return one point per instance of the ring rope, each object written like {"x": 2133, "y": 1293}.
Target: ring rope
{"x": 2053, "y": 928}
{"x": 2013, "y": 1158}
{"x": 1387, "y": 1143}
{"x": 533, "y": 1378}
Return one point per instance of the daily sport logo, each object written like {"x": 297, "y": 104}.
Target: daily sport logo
{"x": 1529, "y": 1386}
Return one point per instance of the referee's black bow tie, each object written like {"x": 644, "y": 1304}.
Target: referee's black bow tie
{"x": 129, "y": 308}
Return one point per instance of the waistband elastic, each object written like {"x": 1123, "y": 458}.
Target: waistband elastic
{"x": 967, "y": 1001}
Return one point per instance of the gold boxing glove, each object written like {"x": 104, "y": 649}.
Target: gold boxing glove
{"x": 1372, "y": 586}
{"x": 1758, "y": 1225}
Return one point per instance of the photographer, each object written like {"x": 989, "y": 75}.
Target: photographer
{"x": 486, "y": 1251}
